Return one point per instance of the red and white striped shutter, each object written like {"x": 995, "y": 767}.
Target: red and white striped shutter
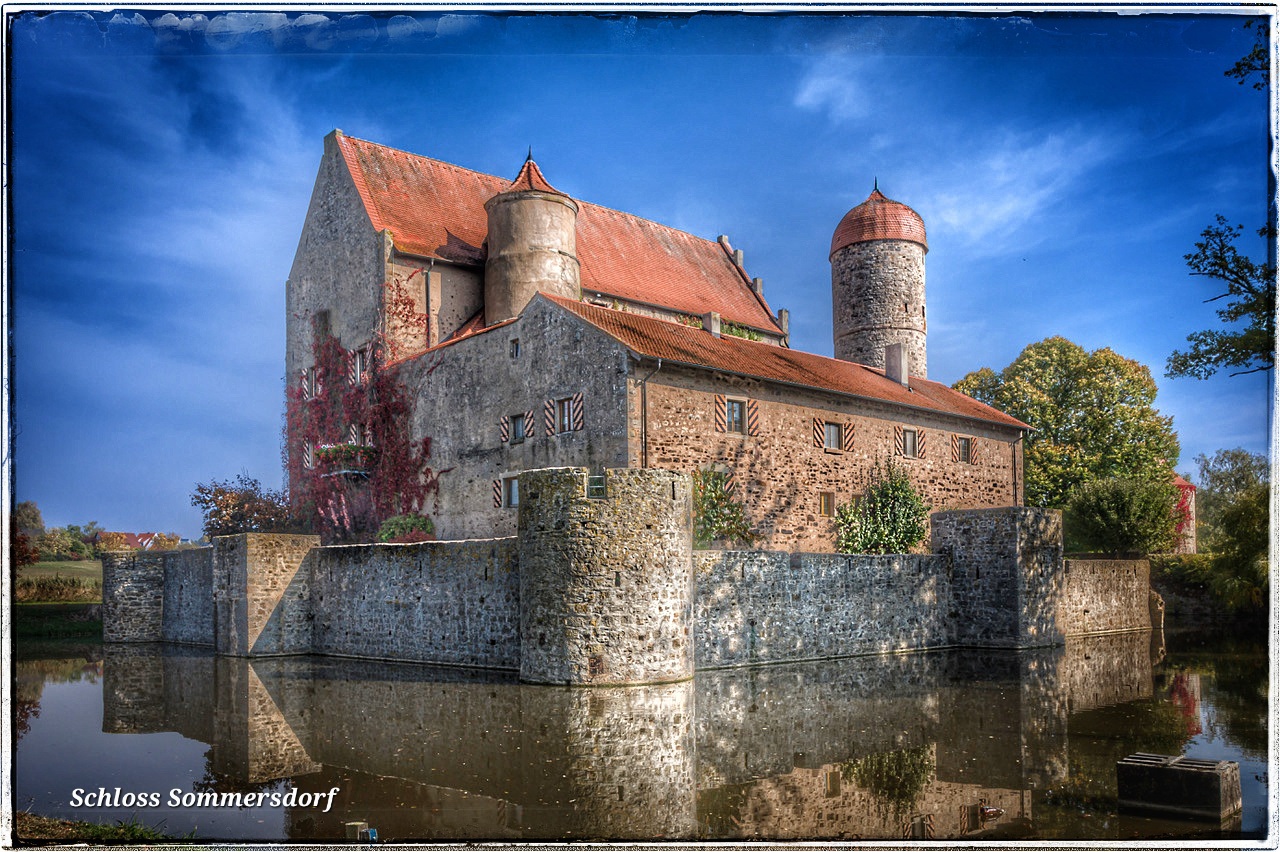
{"x": 305, "y": 384}
{"x": 899, "y": 442}
{"x": 753, "y": 417}
{"x": 308, "y": 459}
{"x": 730, "y": 482}
{"x": 579, "y": 416}
{"x": 973, "y": 450}
{"x": 721, "y": 424}
{"x": 529, "y": 430}
{"x": 848, "y": 437}
{"x": 919, "y": 443}
{"x": 350, "y": 359}
{"x": 353, "y": 433}
{"x": 819, "y": 433}
{"x": 549, "y": 417}
{"x": 504, "y": 428}
{"x": 497, "y": 494}
{"x": 955, "y": 447}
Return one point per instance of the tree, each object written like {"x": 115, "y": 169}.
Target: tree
{"x": 241, "y": 506}
{"x": 717, "y": 514}
{"x": 1256, "y": 63}
{"x": 27, "y": 518}
{"x": 891, "y": 517}
{"x": 1240, "y": 567}
{"x": 1092, "y": 414}
{"x": 1223, "y": 478}
{"x": 109, "y": 541}
{"x": 1119, "y": 516}
{"x": 165, "y": 541}
{"x": 1248, "y": 344}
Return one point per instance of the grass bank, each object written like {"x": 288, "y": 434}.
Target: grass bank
{"x": 57, "y": 621}
{"x": 31, "y": 827}
{"x": 77, "y": 569}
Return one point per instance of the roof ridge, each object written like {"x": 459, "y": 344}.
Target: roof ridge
{"x": 731, "y": 337}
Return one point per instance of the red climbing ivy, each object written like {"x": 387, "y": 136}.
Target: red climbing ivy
{"x": 363, "y": 466}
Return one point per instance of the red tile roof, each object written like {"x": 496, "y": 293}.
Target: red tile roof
{"x": 879, "y": 218}
{"x": 530, "y": 177}
{"x": 674, "y": 342}
{"x": 434, "y": 209}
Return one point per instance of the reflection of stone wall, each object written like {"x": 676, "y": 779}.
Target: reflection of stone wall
{"x": 754, "y": 607}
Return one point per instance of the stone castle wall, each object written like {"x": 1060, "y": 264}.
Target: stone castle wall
{"x": 762, "y": 607}
{"x": 877, "y": 297}
{"x": 453, "y": 602}
{"x": 602, "y": 587}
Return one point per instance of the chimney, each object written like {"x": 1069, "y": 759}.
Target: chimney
{"x": 784, "y": 321}
{"x": 711, "y": 323}
{"x": 737, "y": 258}
{"x": 757, "y": 285}
{"x": 895, "y": 363}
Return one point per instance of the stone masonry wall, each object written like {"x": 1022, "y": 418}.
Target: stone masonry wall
{"x": 261, "y": 594}
{"x": 455, "y": 602}
{"x": 132, "y": 596}
{"x": 188, "y": 597}
{"x": 760, "y": 607}
{"x": 1105, "y": 596}
{"x": 781, "y": 474}
{"x": 606, "y": 586}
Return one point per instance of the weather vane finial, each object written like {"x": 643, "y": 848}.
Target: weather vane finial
{"x": 875, "y": 184}
{"x": 530, "y": 154}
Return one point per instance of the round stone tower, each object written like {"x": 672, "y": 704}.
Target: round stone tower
{"x": 532, "y": 245}
{"x": 606, "y": 576}
{"x": 877, "y": 283}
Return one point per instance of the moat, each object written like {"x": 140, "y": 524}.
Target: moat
{"x": 952, "y": 744}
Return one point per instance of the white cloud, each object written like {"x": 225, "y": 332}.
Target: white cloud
{"x": 836, "y": 85}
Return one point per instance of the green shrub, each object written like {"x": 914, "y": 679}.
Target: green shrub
{"x": 1188, "y": 571}
{"x": 405, "y": 529}
{"x": 1122, "y": 516}
{"x": 55, "y": 588}
{"x": 717, "y": 514}
{"x": 891, "y": 517}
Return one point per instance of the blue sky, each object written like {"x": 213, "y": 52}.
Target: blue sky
{"x": 161, "y": 165}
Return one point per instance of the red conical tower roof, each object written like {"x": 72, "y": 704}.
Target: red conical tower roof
{"x": 530, "y": 177}
{"x": 879, "y": 218}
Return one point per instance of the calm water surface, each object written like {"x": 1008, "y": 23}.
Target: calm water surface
{"x": 919, "y": 746}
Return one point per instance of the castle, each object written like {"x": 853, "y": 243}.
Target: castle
{"x": 527, "y": 330}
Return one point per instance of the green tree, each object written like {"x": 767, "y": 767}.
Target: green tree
{"x": 1122, "y": 516}
{"x": 1223, "y": 478}
{"x": 717, "y": 514}
{"x": 891, "y": 517}
{"x": 241, "y": 506}
{"x": 1248, "y": 342}
{"x": 1092, "y": 413}
{"x": 1256, "y": 64}
{"x": 1240, "y": 576}
{"x": 27, "y": 518}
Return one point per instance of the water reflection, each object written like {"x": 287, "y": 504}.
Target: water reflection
{"x": 942, "y": 745}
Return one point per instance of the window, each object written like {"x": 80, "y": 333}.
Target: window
{"x": 517, "y": 428}
{"x": 910, "y": 447}
{"x": 827, "y": 504}
{"x": 735, "y": 415}
{"x": 964, "y": 450}
{"x": 359, "y": 365}
{"x": 308, "y": 456}
{"x": 564, "y": 415}
{"x": 511, "y": 492}
{"x": 311, "y": 383}
{"x": 514, "y": 349}
{"x": 833, "y": 436}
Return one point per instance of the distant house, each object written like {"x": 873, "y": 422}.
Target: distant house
{"x": 132, "y": 541}
{"x": 529, "y": 329}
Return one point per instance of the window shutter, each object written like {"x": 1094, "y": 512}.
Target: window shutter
{"x": 578, "y": 416}
{"x": 350, "y": 360}
{"x": 730, "y": 482}
{"x": 955, "y": 448}
{"x": 919, "y": 443}
{"x": 304, "y": 383}
{"x": 819, "y": 433}
{"x": 504, "y": 428}
{"x": 549, "y": 417}
{"x": 974, "y": 455}
{"x": 353, "y": 433}
{"x": 497, "y": 494}
{"x": 529, "y": 431}
{"x": 753, "y": 417}
{"x": 848, "y": 437}
{"x": 721, "y": 426}
{"x": 899, "y": 442}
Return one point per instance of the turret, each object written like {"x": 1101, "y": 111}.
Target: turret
{"x": 877, "y": 283}
{"x": 532, "y": 245}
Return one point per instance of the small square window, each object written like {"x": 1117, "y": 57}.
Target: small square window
{"x": 511, "y": 492}
{"x": 735, "y": 415}
{"x": 909, "y": 443}
{"x": 827, "y": 504}
{"x": 564, "y": 415}
{"x": 517, "y": 429}
{"x": 964, "y": 449}
{"x": 514, "y": 348}
{"x": 833, "y": 436}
